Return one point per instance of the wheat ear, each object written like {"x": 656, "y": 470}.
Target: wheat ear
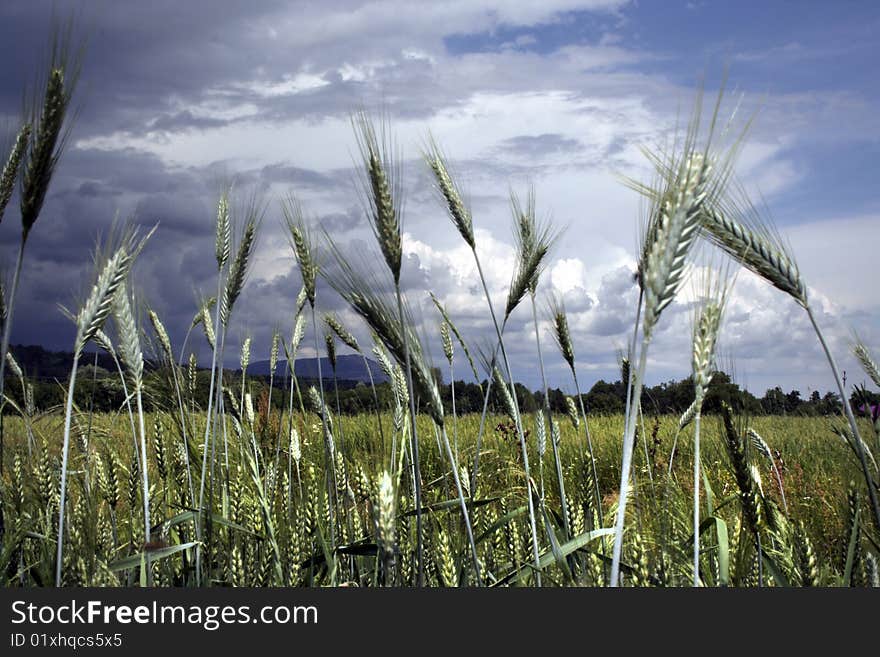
{"x": 10, "y": 169}
{"x": 867, "y": 362}
{"x": 452, "y": 197}
{"x": 381, "y": 187}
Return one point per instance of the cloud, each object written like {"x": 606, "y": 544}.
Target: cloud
{"x": 532, "y": 145}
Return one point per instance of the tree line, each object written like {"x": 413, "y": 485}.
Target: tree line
{"x": 100, "y": 390}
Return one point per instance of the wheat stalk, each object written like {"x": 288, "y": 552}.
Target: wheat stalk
{"x": 45, "y": 149}
{"x": 401, "y": 341}
{"x": 385, "y": 520}
{"x": 112, "y": 273}
{"x": 530, "y": 259}
{"x": 303, "y": 248}
{"x": 562, "y": 336}
{"x": 690, "y": 181}
{"x": 132, "y": 356}
{"x": 706, "y": 326}
{"x": 756, "y": 249}
{"x": 764, "y": 449}
{"x": 534, "y": 239}
{"x": 227, "y": 293}
{"x": 304, "y": 252}
{"x": 748, "y": 237}
{"x": 357, "y": 290}
{"x": 341, "y": 332}
{"x": 445, "y": 315}
{"x": 37, "y": 159}
{"x": 382, "y": 196}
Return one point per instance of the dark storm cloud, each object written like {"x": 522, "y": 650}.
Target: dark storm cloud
{"x": 141, "y": 64}
{"x": 292, "y": 175}
{"x": 342, "y": 222}
{"x": 137, "y": 55}
{"x": 185, "y": 120}
{"x": 94, "y": 188}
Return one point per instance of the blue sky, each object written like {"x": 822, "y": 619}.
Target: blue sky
{"x": 562, "y": 94}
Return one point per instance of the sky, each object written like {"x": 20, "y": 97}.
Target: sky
{"x": 175, "y": 100}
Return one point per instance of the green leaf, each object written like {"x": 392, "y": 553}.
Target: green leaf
{"x": 775, "y": 571}
{"x": 726, "y": 501}
{"x": 139, "y": 558}
{"x": 220, "y": 520}
{"x": 723, "y": 551}
{"x": 329, "y": 555}
{"x": 554, "y": 544}
{"x": 851, "y": 549}
{"x": 710, "y": 496}
{"x": 454, "y": 503}
{"x": 577, "y": 543}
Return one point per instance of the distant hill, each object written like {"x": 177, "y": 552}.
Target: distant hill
{"x": 39, "y": 363}
{"x": 349, "y": 367}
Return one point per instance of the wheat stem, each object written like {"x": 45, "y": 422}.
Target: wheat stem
{"x": 65, "y": 449}
{"x": 626, "y": 465}
{"x": 518, "y": 421}
{"x": 7, "y": 329}
{"x": 207, "y": 440}
{"x": 847, "y": 409}
{"x": 546, "y": 410}
{"x": 328, "y": 454}
{"x": 697, "y": 499}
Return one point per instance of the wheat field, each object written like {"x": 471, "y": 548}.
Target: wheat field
{"x": 242, "y": 492}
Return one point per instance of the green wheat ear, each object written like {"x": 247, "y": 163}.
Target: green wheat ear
{"x": 534, "y": 239}
{"x": 341, "y": 332}
{"x": 736, "y": 227}
{"x": 464, "y": 346}
{"x": 449, "y": 190}
{"x": 869, "y": 365}
{"x": 238, "y": 270}
{"x": 381, "y": 182}
{"x": 359, "y": 290}
{"x": 303, "y": 247}
{"x": 10, "y": 169}
{"x": 50, "y": 127}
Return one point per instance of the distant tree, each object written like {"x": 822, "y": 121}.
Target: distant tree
{"x": 773, "y": 401}
{"x": 101, "y": 390}
{"x": 605, "y": 398}
{"x": 830, "y": 404}
{"x": 792, "y": 401}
